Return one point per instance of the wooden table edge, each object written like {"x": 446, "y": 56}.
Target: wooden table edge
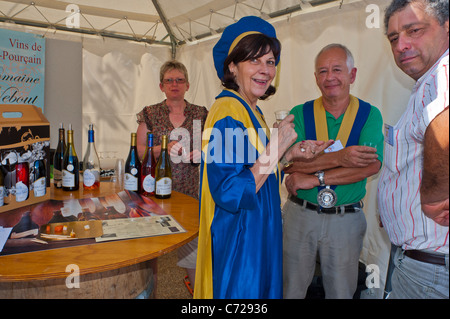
{"x": 98, "y": 269}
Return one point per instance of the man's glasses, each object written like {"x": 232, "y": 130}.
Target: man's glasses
{"x": 171, "y": 81}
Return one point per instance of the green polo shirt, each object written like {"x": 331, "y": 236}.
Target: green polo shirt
{"x": 371, "y": 132}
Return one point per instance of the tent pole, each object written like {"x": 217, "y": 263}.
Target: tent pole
{"x": 174, "y": 50}
{"x": 168, "y": 28}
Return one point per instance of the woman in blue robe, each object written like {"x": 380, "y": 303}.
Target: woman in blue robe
{"x": 240, "y": 236}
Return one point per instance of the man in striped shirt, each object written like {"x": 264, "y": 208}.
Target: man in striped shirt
{"x": 418, "y": 31}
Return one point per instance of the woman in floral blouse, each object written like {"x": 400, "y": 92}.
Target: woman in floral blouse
{"x": 183, "y": 123}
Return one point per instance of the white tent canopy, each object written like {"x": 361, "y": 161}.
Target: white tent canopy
{"x": 124, "y": 43}
{"x": 171, "y": 22}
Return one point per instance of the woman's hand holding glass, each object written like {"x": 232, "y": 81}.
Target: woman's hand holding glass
{"x": 286, "y": 134}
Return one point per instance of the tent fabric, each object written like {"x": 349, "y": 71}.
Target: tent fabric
{"x": 121, "y": 77}
{"x": 150, "y": 21}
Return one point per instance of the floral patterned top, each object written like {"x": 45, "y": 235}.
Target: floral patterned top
{"x": 185, "y": 176}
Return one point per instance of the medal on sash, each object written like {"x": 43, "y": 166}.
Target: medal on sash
{"x": 327, "y": 197}
{"x": 353, "y": 121}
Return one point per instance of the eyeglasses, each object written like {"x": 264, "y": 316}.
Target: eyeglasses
{"x": 171, "y": 81}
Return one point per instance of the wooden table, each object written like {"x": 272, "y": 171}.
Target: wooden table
{"x": 117, "y": 269}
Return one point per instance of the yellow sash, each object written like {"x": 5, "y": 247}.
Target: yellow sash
{"x": 320, "y": 117}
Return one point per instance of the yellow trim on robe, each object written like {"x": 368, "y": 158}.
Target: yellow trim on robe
{"x": 222, "y": 108}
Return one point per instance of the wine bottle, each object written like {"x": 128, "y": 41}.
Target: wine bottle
{"x": 59, "y": 157}
{"x": 148, "y": 169}
{"x": 40, "y": 178}
{"x": 163, "y": 172}
{"x": 71, "y": 166}
{"x": 133, "y": 168}
{"x": 22, "y": 180}
{"x": 91, "y": 163}
{"x": 2, "y": 188}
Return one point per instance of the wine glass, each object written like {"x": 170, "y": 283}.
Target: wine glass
{"x": 370, "y": 144}
{"x": 281, "y": 115}
{"x": 119, "y": 172}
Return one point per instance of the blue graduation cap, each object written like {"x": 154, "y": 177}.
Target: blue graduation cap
{"x": 235, "y": 33}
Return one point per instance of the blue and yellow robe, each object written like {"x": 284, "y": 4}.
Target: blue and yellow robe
{"x": 240, "y": 237}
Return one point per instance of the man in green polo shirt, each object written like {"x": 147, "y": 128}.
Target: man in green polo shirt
{"x": 324, "y": 212}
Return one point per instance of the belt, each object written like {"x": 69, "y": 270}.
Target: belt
{"x": 422, "y": 256}
{"x": 353, "y": 208}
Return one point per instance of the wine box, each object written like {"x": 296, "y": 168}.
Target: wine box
{"x": 24, "y": 137}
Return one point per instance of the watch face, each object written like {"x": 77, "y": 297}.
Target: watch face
{"x": 321, "y": 176}
{"x": 327, "y": 198}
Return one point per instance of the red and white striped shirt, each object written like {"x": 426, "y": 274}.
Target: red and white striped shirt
{"x": 401, "y": 176}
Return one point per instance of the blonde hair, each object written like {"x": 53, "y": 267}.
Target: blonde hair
{"x": 173, "y": 65}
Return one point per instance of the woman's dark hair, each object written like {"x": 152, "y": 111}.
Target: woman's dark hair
{"x": 250, "y": 47}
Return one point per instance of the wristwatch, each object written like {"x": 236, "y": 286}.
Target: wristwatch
{"x": 321, "y": 176}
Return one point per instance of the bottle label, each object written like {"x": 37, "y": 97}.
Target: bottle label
{"x": 2, "y": 195}
{"x": 131, "y": 182}
{"x": 149, "y": 184}
{"x": 68, "y": 179}
{"x": 164, "y": 186}
{"x": 90, "y": 176}
{"x": 39, "y": 187}
{"x": 57, "y": 177}
{"x": 21, "y": 192}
